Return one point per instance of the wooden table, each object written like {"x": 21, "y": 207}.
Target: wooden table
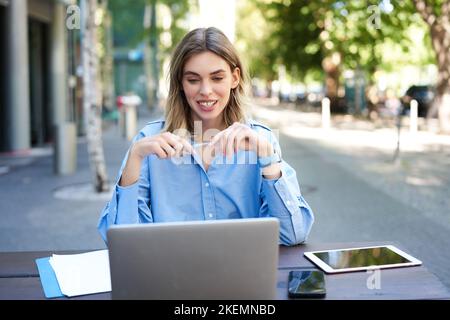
{"x": 19, "y": 277}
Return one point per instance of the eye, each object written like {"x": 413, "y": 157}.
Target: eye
{"x": 192, "y": 80}
{"x": 217, "y": 78}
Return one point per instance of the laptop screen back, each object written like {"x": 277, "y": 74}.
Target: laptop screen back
{"x": 221, "y": 259}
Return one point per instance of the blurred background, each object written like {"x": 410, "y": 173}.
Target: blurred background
{"x": 358, "y": 93}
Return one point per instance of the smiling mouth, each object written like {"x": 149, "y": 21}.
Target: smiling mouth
{"x": 207, "y": 105}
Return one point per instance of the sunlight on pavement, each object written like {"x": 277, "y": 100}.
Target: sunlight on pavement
{"x": 308, "y": 126}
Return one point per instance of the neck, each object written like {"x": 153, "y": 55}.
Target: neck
{"x": 213, "y": 126}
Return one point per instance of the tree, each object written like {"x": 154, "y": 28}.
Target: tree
{"x": 160, "y": 39}
{"x": 144, "y": 28}
{"x": 105, "y": 54}
{"x": 127, "y": 17}
{"x": 258, "y": 49}
{"x": 92, "y": 99}
{"x": 436, "y": 14}
{"x": 331, "y": 35}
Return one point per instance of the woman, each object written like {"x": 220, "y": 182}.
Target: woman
{"x": 206, "y": 161}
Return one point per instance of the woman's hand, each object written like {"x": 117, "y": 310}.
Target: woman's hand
{"x": 164, "y": 145}
{"x": 239, "y": 136}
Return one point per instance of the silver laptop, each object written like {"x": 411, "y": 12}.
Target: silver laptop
{"x": 221, "y": 259}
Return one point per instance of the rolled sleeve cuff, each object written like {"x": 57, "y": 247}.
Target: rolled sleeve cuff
{"x": 280, "y": 199}
{"x": 127, "y": 203}
{"x": 285, "y": 206}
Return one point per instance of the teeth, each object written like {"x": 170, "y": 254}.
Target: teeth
{"x": 206, "y": 103}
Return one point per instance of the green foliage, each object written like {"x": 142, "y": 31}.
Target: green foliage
{"x": 178, "y": 10}
{"x": 367, "y": 34}
{"x": 255, "y": 47}
{"x": 127, "y": 23}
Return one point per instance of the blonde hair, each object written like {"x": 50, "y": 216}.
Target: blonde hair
{"x": 178, "y": 113}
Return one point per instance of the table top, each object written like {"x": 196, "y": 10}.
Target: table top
{"x": 19, "y": 277}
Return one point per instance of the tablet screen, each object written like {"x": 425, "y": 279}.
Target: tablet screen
{"x": 355, "y": 259}
{"x": 360, "y": 258}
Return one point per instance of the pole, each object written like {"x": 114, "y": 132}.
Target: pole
{"x": 326, "y": 114}
{"x": 397, "y": 149}
{"x": 414, "y": 111}
{"x": 16, "y": 129}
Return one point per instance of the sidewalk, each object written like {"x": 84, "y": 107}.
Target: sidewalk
{"x": 40, "y": 211}
{"x": 420, "y": 176}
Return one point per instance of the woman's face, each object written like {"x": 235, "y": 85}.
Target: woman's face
{"x": 207, "y": 82}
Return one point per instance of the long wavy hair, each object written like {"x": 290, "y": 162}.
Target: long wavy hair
{"x": 178, "y": 113}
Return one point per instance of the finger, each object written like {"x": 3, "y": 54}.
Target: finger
{"x": 178, "y": 148}
{"x": 176, "y": 142}
{"x": 223, "y": 133}
{"x": 160, "y": 153}
{"x": 218, "y": 142}
{"x": 252, "y": 143}
{"x": 231, "y": 146}
{"x": 217, "y": 138}
{"x": 172, "y": 140}
{"x": 224, "y": 142}
{"x": 167, "y": 148}
{"x": 148, "y": 146}
{"x": 241, "y": 140}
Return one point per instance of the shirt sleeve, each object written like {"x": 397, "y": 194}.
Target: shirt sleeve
{"x": 281, "y": 198}
{"x": 130, "y": 204}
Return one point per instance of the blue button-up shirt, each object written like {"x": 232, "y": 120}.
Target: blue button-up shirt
{"x": 182, "y": 190}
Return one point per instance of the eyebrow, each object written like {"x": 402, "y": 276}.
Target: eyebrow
{"x": 196, "y": 74}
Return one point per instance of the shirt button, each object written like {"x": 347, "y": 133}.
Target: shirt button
{"x": 207, "y": 184}
{"x": 288, "y": 203}
{"x": 210, "y": 215}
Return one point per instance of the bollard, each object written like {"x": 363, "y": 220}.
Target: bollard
{"x": 130, "y": 121}
{"x": 65, "y": 148}
{"x": 414, "y": 111}
{"x": 128, "y": 115}
{"x": 326, "y": 113}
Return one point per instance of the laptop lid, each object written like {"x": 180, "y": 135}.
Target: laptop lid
{"x": 220, "y": 259}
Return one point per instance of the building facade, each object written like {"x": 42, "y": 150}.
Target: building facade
{"x": 35, "y": 62}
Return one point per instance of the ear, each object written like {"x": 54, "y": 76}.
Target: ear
{"x": 236, "y": 77}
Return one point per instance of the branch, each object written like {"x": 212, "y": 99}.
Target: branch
{"x": 425, "y": 11}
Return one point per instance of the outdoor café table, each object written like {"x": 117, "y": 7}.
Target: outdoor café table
{"x": 19, "y": 277}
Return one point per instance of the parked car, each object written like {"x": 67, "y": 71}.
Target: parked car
{"x": 424, "y": 96}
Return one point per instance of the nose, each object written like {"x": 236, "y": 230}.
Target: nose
{"x": 205, "y": 88}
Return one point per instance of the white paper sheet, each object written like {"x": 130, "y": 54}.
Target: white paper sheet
{"x": 84, "y": 273}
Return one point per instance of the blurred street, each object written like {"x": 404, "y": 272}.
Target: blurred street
{"x": 354, "y": 188}
{"x": 42, "y": 211}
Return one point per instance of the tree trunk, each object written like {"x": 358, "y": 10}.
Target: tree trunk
{"x": 151, "y": 55}
{"x": 440, "y": 38}
{"x": 92, "y": 99}
{"x": 330, "y": 65}
{"x": 108, "y": 94}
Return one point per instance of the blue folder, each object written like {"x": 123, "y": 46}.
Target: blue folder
{"x": 48, "y": 278}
